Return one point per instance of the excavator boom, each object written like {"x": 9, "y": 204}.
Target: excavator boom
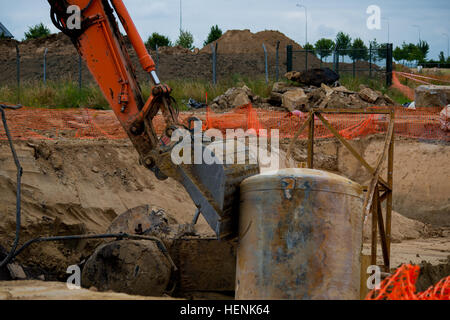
{"x": 213, "y": 188}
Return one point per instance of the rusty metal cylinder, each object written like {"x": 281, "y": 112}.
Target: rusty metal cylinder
{"x": 300, "y": 236}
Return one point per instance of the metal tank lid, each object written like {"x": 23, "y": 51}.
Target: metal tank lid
{"x": 302, "y": 179}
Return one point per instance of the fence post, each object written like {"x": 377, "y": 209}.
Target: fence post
{"x": 45, "y": 66}
{"x": 214, "y": 62}
{"x": 306, "y": 60}
{"x": 336, "y": 61}
{"x": 354, "y": 69}
{"x": 157, "y": 59}
{"x": 289, "y": 58}
{"x": 389, "y": 65}
{"x": 266, "y": 67}
{"x": 79, "y": 72}
{"x": 18, "y": 72}
{"x": 277, "y": 61}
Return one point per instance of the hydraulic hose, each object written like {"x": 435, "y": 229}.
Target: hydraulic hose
{"x": 11, "y": 253}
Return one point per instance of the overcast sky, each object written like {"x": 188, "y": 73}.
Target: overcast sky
{"x": 325, "y": 18}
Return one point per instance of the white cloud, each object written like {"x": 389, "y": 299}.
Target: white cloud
{"x": 325, "y": 18}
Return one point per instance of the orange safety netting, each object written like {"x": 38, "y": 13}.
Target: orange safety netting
{"x": 421, "y": 123}
{"x": 33, "y": 123}
{"x": 402, "y": 286}
{"x": 420, "y": 79}
{"x": 407, "y": 91}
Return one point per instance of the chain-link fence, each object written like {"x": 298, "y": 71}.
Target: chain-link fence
{"x": 25, "y": 63}
{"x": 371, "y": 62}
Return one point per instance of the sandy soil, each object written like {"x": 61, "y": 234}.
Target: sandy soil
{"x": 432, "y": 250}
{"x": 76, "y": 187}
{"x": 39, "y": 290}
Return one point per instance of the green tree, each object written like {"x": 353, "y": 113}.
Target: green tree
{"x": 374, "y": 50}
{"x": 382, "y": 51}
{"x": 411, "y": 52}
{"x": 159, "y": 40}
{"x": 324, "y": 48}
{"x": 442, "y": 57}
{"x": 399, "y": 54}
{"x": 343, "y": 43}
{"x": 37, "y": 31}
{"x": 416, "y": 54}
{"x": 214, "y": 34}
{"x": 310, "y": 48}
{"x": 424, "y": 48}
{"x": 359, "y": 50}
{"x": 186, "y": 40}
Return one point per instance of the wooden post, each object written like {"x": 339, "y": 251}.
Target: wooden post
{"x": 311, "y": 142}
{"x": 390, "y": 180}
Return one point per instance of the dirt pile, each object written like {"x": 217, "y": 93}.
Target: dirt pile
{"x": 77, "y": 187}
{"x": 236, "y": 97}
{"x": 403, "y": 228}
{"x": 173, "y": 62}
{"x": 176, "y": 50}
{"x": 32, "y": 48}
{"x": 291, "y": 98}
{"x": 430, "y": 275}
{"x": 244, "y": 41}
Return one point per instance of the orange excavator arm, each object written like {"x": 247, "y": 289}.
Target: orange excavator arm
{"x": 102, "y": 46}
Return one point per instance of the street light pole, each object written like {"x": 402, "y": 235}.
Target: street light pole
{"x": 418, "y": 28}
{"x": 306, "y": 21}
{"x": 181, "y": 17}
{"x": 448, "y": 44}
{"x": 387, "y": 19}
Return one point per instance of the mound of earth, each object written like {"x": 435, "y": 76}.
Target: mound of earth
{"x": 430, "y": 275}
{"x": 403, "y": 228}
{"x": 244, "y": 41}
{"x": 78, "y": 187}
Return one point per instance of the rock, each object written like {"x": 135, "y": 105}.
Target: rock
{"x": 295, "y": 100}
{"x": 234, "y": 97}
{"x": 56, "y": 161}
{"x": 388, "y": 99}
{"x": 432, "y": 96}
{"x": 258, "y": 100}
{"x": 282, "y": 87}
{"x": 444, "y": 118}
{"x": 343, "y": 90}
{"x": 316, "y": 96}
{"x": 328, "y": 90}
{"x": 314, "y": 77}
{"x": 369, "y": 95}
{"x": 275, "y": 99}
{"x": 16, "y": 271}
{"x": 248, "y": 91}
{"x": 293, "y": 76}
{"x": 95, "y": 169}
{"x": 241, "y": 99}
{"x": 133, "y": 267}
{"x": 143, "y": 220}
